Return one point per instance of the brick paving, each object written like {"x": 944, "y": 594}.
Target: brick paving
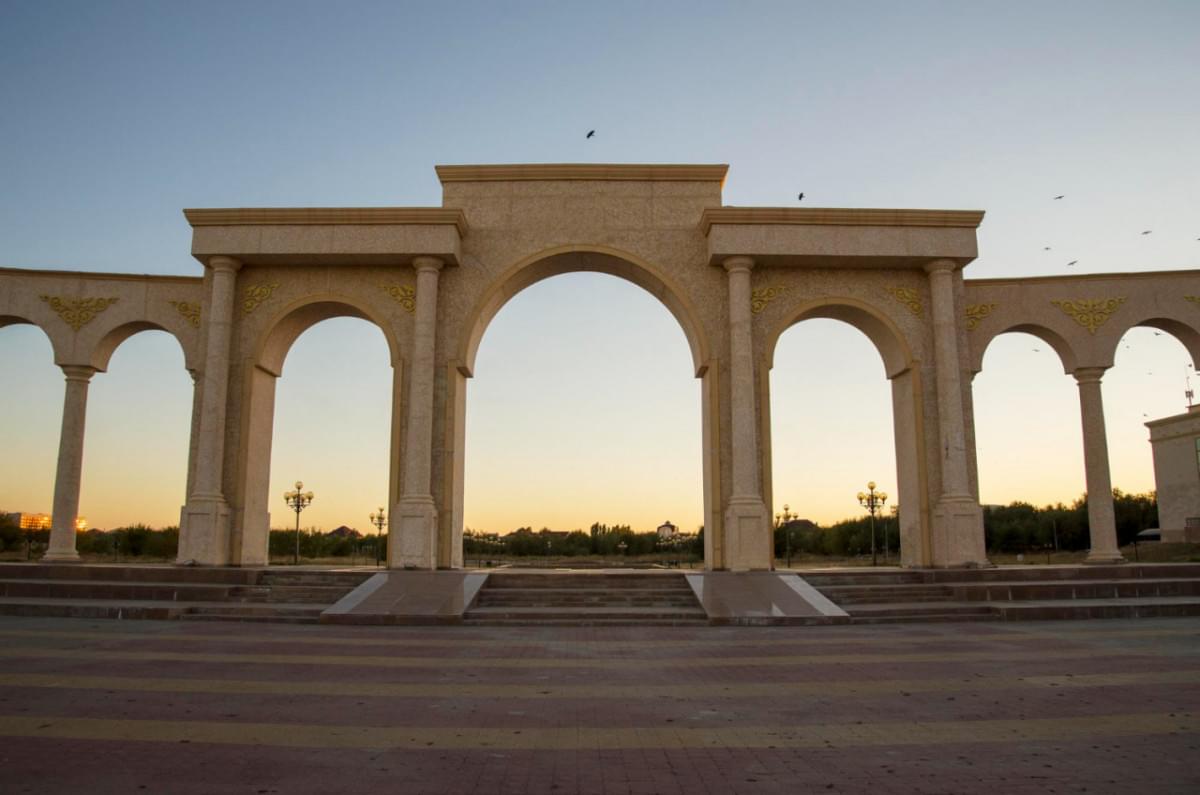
{"x": 171, "y": 707}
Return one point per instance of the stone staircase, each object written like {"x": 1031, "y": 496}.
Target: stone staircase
{"x": 1013, "y": 593}
{"x": 583, "y": 598}
{"x": 169, "y": 592}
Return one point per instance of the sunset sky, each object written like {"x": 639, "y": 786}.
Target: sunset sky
{"x": 583, "y": 408}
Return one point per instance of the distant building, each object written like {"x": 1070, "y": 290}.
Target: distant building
{"x": 667, "y": 531}
{"x": 30, "y": 521}
{"x": 1175, "y": 444}
{"x": 344, "y": 532}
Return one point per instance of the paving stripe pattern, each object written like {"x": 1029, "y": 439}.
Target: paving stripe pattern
{"x": 168, "y": 707}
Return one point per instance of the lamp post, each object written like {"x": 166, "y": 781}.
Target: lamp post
{"x": 378, "y": 519}
{"x": 298, "y": 500}
{"x": 784, "y": 520}
{"x": 873, "y": 501}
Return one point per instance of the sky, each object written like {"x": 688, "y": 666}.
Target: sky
{"x": 116, "y": 115}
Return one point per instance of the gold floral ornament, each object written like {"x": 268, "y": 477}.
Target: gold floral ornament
{"x": 1090, "y": 313}
{"x": 760, "y": 298}
{"x": 1195, "y": 299}
{"x": 910, "y": 298}
{"x": 256, "y": 294}
{"x": 78, "y": 312}
{"x": 403, "y": 295}
{"x": 189, "y": 310}
{"x": 976, "y": 313}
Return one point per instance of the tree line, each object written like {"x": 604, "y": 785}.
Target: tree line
{"x": 1013, "y": 528}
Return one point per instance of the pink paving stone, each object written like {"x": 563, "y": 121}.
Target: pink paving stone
{"x": 1151, "y": 763}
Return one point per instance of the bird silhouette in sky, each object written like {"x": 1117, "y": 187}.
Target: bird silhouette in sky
{"x": 1037, "y": 350}
{"x": 1148, "y": 231}
{"x": 1047, "y": 248}
{"x": 1072, "y": 262}
{"x": 800, "y": 198}
{"x": 1158, "y": 333}
{"x": 1056, "y": 198}
{"x": 590, "y": 134}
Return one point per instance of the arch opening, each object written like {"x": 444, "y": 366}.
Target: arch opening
{"x": 335, "y": 427}
{"x": 580, "y": 392}
{"x": 31, "y": 406}
{"x": 818, "y": 357}
{"x": 136, "y": 449}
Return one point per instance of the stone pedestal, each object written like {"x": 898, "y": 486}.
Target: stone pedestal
{"x": 957, "y": 535}
{"x": 413, "y": 545}
{"x": 206, "y": 541}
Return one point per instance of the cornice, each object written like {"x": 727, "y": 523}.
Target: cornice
{"x": 834, "y": 216}
{"x": 333, "y": 216}
{"x": 1009, "y": 281}
{"x": 583, "y": 171}
{"x": 120, "y": 277}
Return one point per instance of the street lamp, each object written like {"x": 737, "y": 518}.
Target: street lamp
{"x": 298, "y": 500}
{"x": 784, "y": 520}
{"x": 378, "y": 519}
{"x": 873, "y": 501}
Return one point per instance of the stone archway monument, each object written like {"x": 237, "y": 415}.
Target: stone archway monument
{"x": 735, "y": 278}
{"x": 433, "y": 278}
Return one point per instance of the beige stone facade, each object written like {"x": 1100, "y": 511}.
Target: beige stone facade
{"x": 734, "y": 278}
{"x": 1176, "y": 445}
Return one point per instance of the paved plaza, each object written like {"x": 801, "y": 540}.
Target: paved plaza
{"x": 196, "y": 707}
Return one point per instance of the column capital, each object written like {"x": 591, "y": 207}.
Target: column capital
{"x": 738, "y": 264}
{"x": 426, "y": 263}
{"x": 939, "y": 265}
{"x": 220, "y": 262}
{"x": 78, "y": 372}
{"x": 1088, "y": 375}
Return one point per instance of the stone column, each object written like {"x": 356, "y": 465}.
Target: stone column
{"x": 414, "y": 544}
{"x": 958, "y": 519}
{"x": 1102, "y": 524}
{"x": 747, "y": 526}
{"x": 204, "y": 526}
{"x": 70, "y": 466}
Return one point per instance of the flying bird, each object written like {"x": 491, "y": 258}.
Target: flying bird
{"x": 1047, "y": 248}
{"x": 1072, "y": 262}
{"x": 1056, "y": 198}
{"x": 590, "y": 133}
{"x": 1148, "y": 231}
{"x": 1037, "y": 350}
{"x": 800, "y": 198}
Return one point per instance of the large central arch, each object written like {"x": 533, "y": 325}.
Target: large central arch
{"x": 525, "y": 273}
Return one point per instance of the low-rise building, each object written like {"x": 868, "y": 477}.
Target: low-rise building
{"x": 1175, "y": 442}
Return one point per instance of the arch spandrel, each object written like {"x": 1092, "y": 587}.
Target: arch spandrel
{"x": 102, "y": 351}
{"x": 55, "y": 344}
{"x": 580, "y": 259}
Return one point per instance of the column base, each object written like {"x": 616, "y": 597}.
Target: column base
{"x": 957, "y": 533}
{"x": 1098, "y": 558}
{"x": 413, "y": 545}
{"x": 204, "y": 532}
{"x": 60, "y": 556}
{"x": 747, "y": 535}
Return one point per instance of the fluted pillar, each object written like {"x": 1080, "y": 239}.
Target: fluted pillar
{"x": 747, "y": 526}
{"x": 1102, "y": 524}
{"x": 70, "y": 466}
{"x": 957, "y": 531}
{"x": 204, "y": 525}
{"x": 414, "y": 542}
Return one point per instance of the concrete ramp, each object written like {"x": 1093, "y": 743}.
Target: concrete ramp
{"x": 408, "y": 597}
{"x": 761, "y": 598}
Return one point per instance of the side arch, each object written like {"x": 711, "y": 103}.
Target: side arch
{"x": 56, "y": 345}
{"x": 577, "y": 259}
{"x": 260, "y": 372}
{"x": 908, "y": 415}
{"x": 1067, "y": 355}
{"x": 1186, "y": 333}
{"x": 102, "y": 352}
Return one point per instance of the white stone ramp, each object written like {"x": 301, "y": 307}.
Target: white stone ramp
{"x": 762, "y": 598}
